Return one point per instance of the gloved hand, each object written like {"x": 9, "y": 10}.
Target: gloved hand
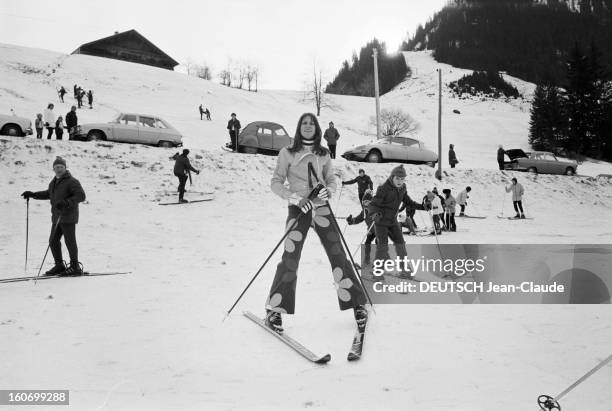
{"x": 27, "y": 194}
{"x": 62, "y": 205}
{"x": 376, "y": 217}
{"x": 305, "y": 205}
{"x": 349, "y": 219}
{"x": 198, "y": 172}
{"x": 324, "y": 194}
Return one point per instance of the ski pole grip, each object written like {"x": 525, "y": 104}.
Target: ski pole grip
{"x": 315, "y": 191}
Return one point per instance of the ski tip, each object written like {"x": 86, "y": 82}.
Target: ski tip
{"x": 323, "y": 360}
{"x": 353, "y": 357}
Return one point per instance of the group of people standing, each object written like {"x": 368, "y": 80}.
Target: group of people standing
{"x": 204, "y": 112}
{"x": 48, "y": 120}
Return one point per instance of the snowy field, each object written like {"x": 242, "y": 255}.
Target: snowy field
{"x": 155, "y": 339}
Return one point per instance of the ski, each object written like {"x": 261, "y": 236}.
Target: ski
{"x": 357, "y": 345}
{"x": 48, "y": 277}
{"x": 299, "y": 348}
{"x": 471, "y": 216}
{"x": 190, "y": 202}
{"x": 514, "y": 218}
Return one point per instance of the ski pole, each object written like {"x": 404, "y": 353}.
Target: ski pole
{"x": 546, "y": 402}
{"x": 339, "y": 196}
{"x": 25, "y": 268}
{"x": 503, "y": 202}
{"x": 348, "y": 251}
{"x": 48, "y": 246}
{"x": 364, "y": 238}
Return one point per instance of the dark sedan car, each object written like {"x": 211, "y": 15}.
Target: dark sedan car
{"x": 263, "y": 137}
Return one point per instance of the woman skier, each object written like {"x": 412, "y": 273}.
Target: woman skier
{"x": 302, "y": 166}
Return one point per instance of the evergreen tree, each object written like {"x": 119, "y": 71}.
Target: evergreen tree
{"x": 537, "y": 121}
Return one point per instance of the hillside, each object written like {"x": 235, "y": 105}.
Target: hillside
{"x": 155, "y": 339}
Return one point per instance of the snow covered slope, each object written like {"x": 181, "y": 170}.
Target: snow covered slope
{"x": 155, "y": 339}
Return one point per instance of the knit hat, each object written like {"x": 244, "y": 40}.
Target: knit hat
{"x": 398, "y": 172}
{"x": 446, "y": 191}
{"x": 59, "y": 160}
{"x": 185, "y": 152}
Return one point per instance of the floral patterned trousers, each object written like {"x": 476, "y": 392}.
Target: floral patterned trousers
{"x": 348, "y": 288}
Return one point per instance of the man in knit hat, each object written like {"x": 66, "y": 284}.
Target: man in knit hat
{"x": 384, "y": 208}
{"x": 182, "y": 167}
{"x": 65, "y": 193}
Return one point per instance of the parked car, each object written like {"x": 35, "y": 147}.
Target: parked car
{"x": 132, "y": 128}
{"x": 400, "y": 149}
{"x": 15, "y": 126}
{"x": 539, "y": 162}
{"x": 263, "y": 137}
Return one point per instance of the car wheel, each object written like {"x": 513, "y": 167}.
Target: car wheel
{"x": 374, "y": 156}
{"x": 165, "y": 144}
{"x": 532, "y": 170}
{"x": 12, "y": 130}
{"x": 96, "y": 136}
{"x": 570, "y": 171}
{"x": 250, "y": 150}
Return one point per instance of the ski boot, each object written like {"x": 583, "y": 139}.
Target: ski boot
{"x": 274, "y": 321}
{"x": 75, "y": 270}
{"x": 57, "y": 269}
{"x": 182, "y": 200}
{"x": 523, "y": 216}
{"x": 361, "y": 317}
{"x": 517, "y": 216}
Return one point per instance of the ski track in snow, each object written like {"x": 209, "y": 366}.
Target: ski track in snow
{"x": 155, "y": 339}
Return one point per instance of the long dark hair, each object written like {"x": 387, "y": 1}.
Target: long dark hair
{"x": 297, "y": 141}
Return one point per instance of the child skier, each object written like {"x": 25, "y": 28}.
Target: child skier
{"x": 364, "y": 215}
{"x": 435, "y": 207}
{"x": 450, "y": 205}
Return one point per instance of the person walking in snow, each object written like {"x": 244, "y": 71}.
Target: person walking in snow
{"x": 62, "y": 92}
{"x": 384, "y": 209}
{"x": 298, "y": 169}
{"x": 59, "y": 128}
{"x": 201, "y": 112}
{"x": 452, "y": 157}
{"x": 517, "y": 191}
{"x": 182, "y": 167}
{"x": 233, "y": 126}
{"x": 49, "y": 117}
{"x": 462, "y": 200}
{"x": 364, "y": 215}
{"x": 332, "y": 136}
{"x": 65, "y": 193}
{"x": 72, "y": 121}
{"x": 90, "y": 98}
{"x": 364, "y": 183}
{"x": 500, "y": 157}
{"x": 450, "y": 207}
{"x": 39, "y": 124}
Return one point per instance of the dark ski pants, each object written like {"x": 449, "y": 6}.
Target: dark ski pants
{"x": 282, "y": 292}
{"x": 332, "y": 150}
{"x": 181, "y": 187}
{"x": 201, "y": 115}
{"x": 501, "y": 165}
{"x": 233, "y": 140}
{"x": 462, "y": 208}
{"x": 450, "y": 222}
{"x": 384, "y": 233}
{"x": 69, "y": 232}
{"x": 50, "y": 131}
{"x": 39, "y": 132}
{"x": 368, "y": 245}
{"x": 452, "y": 165}
{"x": 59, "y": 133}
{"x": 518, "y": 205}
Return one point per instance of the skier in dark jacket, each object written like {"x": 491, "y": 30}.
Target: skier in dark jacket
{"x": 364, "y": 215}
{"x": 384, "y": 208}
{"x": 234, "y": 130}
{"x": 452, "y": 157}
{"x": 364, "y": 182}
{"x": 500, "y": 157}
{"x": 62, "y": 92}
{"x": 201, "y": 112}
{"x": 182, "y": 167}
{"x": 65, "y": 193}
{"x": 72, "y": 122}
{"x": 90, "y": 98}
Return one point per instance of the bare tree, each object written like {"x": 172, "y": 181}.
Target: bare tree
{"x": 203, "y": 71}
{"x": 250, "y": 76}
{"x": 226, "y": 77}
{"x": 396, "y": 122}
{"x": 314, "y": 90}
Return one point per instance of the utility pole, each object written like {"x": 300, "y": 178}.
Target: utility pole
{"x": 376, "y": 93}
{"x": 439, "y": 172}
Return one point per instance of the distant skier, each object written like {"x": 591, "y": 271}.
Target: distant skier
{"x": 39, "y": 124}
{"x": 59, "y": 128}
{"x": 462, "y": 200}
{"x": 517, "y": 197}
{"x": 364, "y": 215}
{"x": 435, "y": 207}
{"x": 233, "y": 125}
{"x": 450, "y": 207}
{"x": 201, "y": 109}
{"x": 65, "y": 193}
{"x": 441, "y": 213}
{"x": 182, "y": 167}
{"x": 80, "y": 94}
{"x": 76, "y": 91}
{"x": 364, "y": 183}
{"x": 384, "y": 209}
{"x": 332, "y": 136}
{"x": 62, "y": 92}
{"x": 293, "y": 180}
{"x": 90, "y": 98}
{"x": 72, "y": 122}
{"x": 500, "y": 157}
{"x": 49, "y": 117}
{"x": 207, "y": 111}
{"x": 452, "y": 157}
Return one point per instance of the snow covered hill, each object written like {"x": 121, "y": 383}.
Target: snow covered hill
{"x": 155, "y": 339}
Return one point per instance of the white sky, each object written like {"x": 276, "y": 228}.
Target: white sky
{"x": 283, "y": 37}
